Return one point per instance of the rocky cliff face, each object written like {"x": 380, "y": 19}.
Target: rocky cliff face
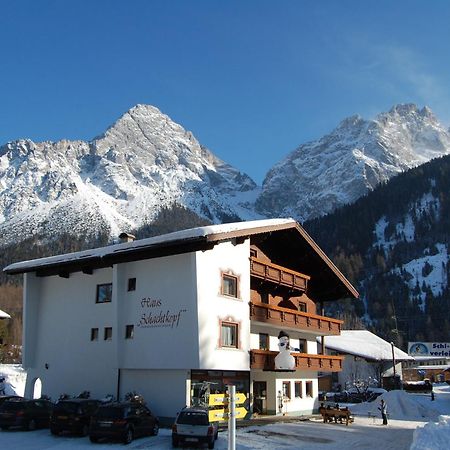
{"x": 145, "y": 162}
{"x": 116, "y": 182}
{"x": 344, "y": 165}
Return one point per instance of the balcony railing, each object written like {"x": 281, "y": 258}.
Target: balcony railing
{"x": 289, "y": 318}
{"x": 278, "y": 274}
{"x": 265, "y": 359}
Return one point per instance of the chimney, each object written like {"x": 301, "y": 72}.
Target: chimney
{"x": 126, "y": 237}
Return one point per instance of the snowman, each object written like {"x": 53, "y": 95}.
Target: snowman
{"x": 284, "y": 360}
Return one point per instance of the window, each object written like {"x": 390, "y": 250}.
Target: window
{"x": 129, "y": 332}
{"x": 253, "y": 253}
{"x": 265, "y": 297}
{"x": 131, "y": 284}
{"x": 302, "y": 306}
{"x": 309, "y": 389}
{"x": 229, "y": 285}
{"x": 108, "y": 334}
{"x": 263, "y": 341}
{"x": 104, "y": 293}
{"x": 94, "y": 334}
{"x": 302, "y": 345}
{"x": 229, "y": 335}
{"x": 298, "y": 389}
{"x": 287, "y": 389}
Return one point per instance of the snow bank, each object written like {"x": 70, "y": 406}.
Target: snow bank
{"x": 433, "y": 436}
{"x": 15, "y": 377}
{"x": 400, "y": 406}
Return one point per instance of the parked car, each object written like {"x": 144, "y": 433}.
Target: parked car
{"x": 193, "y": 425}
{"x": 3, "y": 398}
{"x": 73, "y": 415}
{"x": 123, "y": 421}
{"x": 28, "y": 414}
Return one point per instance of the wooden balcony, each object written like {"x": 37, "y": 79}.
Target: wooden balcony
{"x": 265, "y": 359}
{"x": 289, "y": 318}
{"x": 279, "y": 275}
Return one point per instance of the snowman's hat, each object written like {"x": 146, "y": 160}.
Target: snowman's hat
{"x": 282, "y": 334}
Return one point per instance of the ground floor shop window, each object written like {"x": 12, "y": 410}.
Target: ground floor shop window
{"x": 206, "y": 382}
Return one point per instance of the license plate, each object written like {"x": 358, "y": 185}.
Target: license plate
{"x": 191, "y": 439}
{"x": 62, "y": 417}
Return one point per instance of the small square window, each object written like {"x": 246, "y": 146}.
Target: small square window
{"x": 108, "y": 333}
{"x": 265, "y": 298}
{"x": 229, "y": 285}
{"x": 131, "y": 284}
{"x": 298, "y": 389}
{"x": 94, "y": 334}
{"x": 287, "y": 389}
{"x": 129, "y": 332}
{"x": 302, "y": 345}
{"x": 263, "y": 341}
{"x": 309, "y": 389}
{"x": 104, "y": 293}
{"x": 229, "y": 335}
{"x": 302, "y": 306}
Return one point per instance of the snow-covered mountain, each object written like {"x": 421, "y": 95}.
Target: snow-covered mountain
{"x": 116, "y": 182}
{"x": 342, "y": 166}
{"x": 145, "y": 162}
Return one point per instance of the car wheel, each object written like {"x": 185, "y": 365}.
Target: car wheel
{"x": 211, "y": 444}
{"x": 128, "y": 435}
{"x": 5, "y": 427}
{"x": 84, "y": 430}
{"x": 175, "y": 442}
{"x": 31, "y": 425}
{"x": 93, "y": 439}
{"x": 155, "y": 429}
{"x": 54, "y": 431}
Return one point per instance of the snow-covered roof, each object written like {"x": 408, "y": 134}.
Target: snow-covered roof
{"x": 365, "y": 344}
{"x": 4, "y": 315}
{"x": 287, "y": 236}
{"x": 177, "y": 236}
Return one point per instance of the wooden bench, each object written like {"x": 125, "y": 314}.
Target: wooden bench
{"x": 336, "y": 415}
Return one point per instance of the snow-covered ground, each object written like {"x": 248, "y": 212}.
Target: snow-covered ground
{"x": 415, "y": 422}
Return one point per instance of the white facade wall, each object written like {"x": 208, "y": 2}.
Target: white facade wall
{"x": 214, "y": 307}
{"x": 163, "y": 310}
{"x": 57, "y": 335}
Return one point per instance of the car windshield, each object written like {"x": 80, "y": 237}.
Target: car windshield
{"x": 193, "y": 418}
{"x": 67, "y": 407}
{"x": 110, "y": 413}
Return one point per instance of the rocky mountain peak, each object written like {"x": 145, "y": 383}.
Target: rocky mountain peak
{"x": 345, "y": 164}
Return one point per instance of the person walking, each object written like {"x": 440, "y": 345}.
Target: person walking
{"x": 383, "y": 409}
{"x": 2, "y": 385}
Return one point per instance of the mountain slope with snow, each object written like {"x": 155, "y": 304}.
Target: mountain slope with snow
{"x": 359, "y": 154}
{"x": 142, "y": 163}
{"x": 145, "y": 162}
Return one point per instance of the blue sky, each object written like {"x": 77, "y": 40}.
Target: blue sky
{"x": 251, "y": 79}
